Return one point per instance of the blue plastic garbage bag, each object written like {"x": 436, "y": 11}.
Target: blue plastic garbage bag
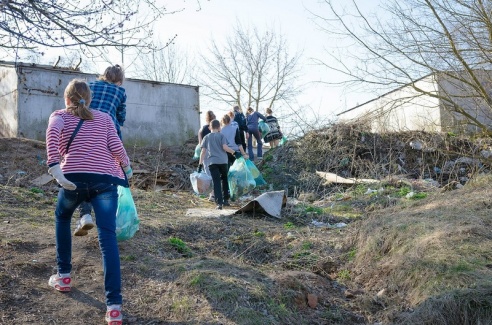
{"x": 264, "y": 128}
{"x": 255, "y": 172}
{"x": 240, "y": 178}
{"x": 198, "y": 149}
{"x": 127, "y": 222}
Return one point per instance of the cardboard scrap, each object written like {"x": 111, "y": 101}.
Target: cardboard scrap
{"x": 42, "y": 180}
{"x": 334, "y": 178}
{"x": 269, "y": 202}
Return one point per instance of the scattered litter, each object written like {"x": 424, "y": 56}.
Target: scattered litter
{"x": 327, "y": 225}
{"x": 318, "y": 223}
{"x": 209, "y": 213}
{"x": 410, "y": 195}
{"x": 370, "y": 191}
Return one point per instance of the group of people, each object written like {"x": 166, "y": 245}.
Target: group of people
{"x": 224, "y": 141}
{"x": 87, "y": 158}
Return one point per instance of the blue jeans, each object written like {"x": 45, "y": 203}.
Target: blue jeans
{"x": 104, "y": 199}
{"x": 259, "y": 144}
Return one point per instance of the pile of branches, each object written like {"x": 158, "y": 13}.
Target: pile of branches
{"x": 350, "y": 151}
{"x": 165, "y": 168}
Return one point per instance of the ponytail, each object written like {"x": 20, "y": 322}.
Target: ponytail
{"x": 79, "y": 93}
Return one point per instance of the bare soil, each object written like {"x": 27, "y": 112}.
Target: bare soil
{"x": 386, "y": 266}
{"x": 240, "y": 269}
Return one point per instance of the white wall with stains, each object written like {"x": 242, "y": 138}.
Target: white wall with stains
{"x": 157, "y": 113}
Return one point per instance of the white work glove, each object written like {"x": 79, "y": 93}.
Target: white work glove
{"x": 128, "y": 171}
{"x": 57, "y": 174}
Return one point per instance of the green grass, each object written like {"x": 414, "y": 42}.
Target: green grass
{"x": 289, "y": 225}
{"x": 180, "y": 246}
{"x": 129, "y": 258}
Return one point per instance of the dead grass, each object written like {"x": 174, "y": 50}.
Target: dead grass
{"x": 428, "y": 249}
{"x": 403, "y": 261}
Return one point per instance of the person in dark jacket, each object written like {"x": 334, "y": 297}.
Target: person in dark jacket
{"x": 252, "y": 118}
{"x": 240, "y": 119}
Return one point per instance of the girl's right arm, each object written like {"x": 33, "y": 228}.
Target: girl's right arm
{"x": 55, "y": 126}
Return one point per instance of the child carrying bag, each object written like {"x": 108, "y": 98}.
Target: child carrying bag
{"x": 127, "y": 222}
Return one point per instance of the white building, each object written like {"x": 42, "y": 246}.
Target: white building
{"x": 426, "y": 109}
{"x": 156, "y": 112}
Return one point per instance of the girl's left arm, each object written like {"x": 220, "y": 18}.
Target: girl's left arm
{"x": 121, "y": 110}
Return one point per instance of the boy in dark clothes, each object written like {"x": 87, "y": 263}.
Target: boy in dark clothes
{"x": 214, "y": 149}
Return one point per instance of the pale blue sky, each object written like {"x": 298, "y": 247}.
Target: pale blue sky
{"x": 216, "y": 19}
{"x": 293, "y": 18}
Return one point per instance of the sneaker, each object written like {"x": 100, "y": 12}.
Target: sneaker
{"x": 61, "y": 282}
{"x": 219, "y": 207}
{"x": 83, "y": 225}
{"x": 113, "y": 315}
{"x": 226, "y": 203}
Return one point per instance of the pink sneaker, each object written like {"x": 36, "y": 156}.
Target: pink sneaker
{"x": 61, "y": 282}
{"x": 113, "y": 315}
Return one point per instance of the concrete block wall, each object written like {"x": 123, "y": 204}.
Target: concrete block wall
{"x": 157, "y": 113}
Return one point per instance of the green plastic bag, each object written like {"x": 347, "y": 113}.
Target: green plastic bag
{"x": 240, "y": 179}
{"x": 283, "y": 141}
{"x": 255, "y": 172}
{"x": 127, "y": 222}
{"x": 198, "y": 149}
{"x": 264, "y": 128}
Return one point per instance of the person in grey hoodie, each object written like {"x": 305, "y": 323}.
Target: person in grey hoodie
{"x": 252, "y": 118}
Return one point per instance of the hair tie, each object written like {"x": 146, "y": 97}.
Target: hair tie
{"x": 82, "y": 101}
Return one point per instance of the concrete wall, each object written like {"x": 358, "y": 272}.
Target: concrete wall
{"x": 466, "y": 97}
{"x": 157, "y": 113}
{"x": 160, "y": 113}
{"x": 9, "y": 119}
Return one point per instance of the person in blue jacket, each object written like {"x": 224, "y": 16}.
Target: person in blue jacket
{"x": 252, "y": 118}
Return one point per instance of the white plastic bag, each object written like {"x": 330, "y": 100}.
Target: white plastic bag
{"x": 201, "y": 182}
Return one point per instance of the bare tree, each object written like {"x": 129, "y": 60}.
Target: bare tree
{"x": 446, "y": 39}
{"x": 91, "y": 25}
{"x": 250, "y": 69}
{"x": 167, "y": 64}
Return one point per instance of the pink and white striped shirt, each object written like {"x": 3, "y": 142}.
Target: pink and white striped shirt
{"x": 96, "y": 154}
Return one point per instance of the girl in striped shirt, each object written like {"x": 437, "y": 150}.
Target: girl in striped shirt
{"x": 88, "y": 164}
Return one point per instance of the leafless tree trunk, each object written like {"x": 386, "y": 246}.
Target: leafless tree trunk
{"x": 250, "y": 69}
{"x": 450, "y": 40}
